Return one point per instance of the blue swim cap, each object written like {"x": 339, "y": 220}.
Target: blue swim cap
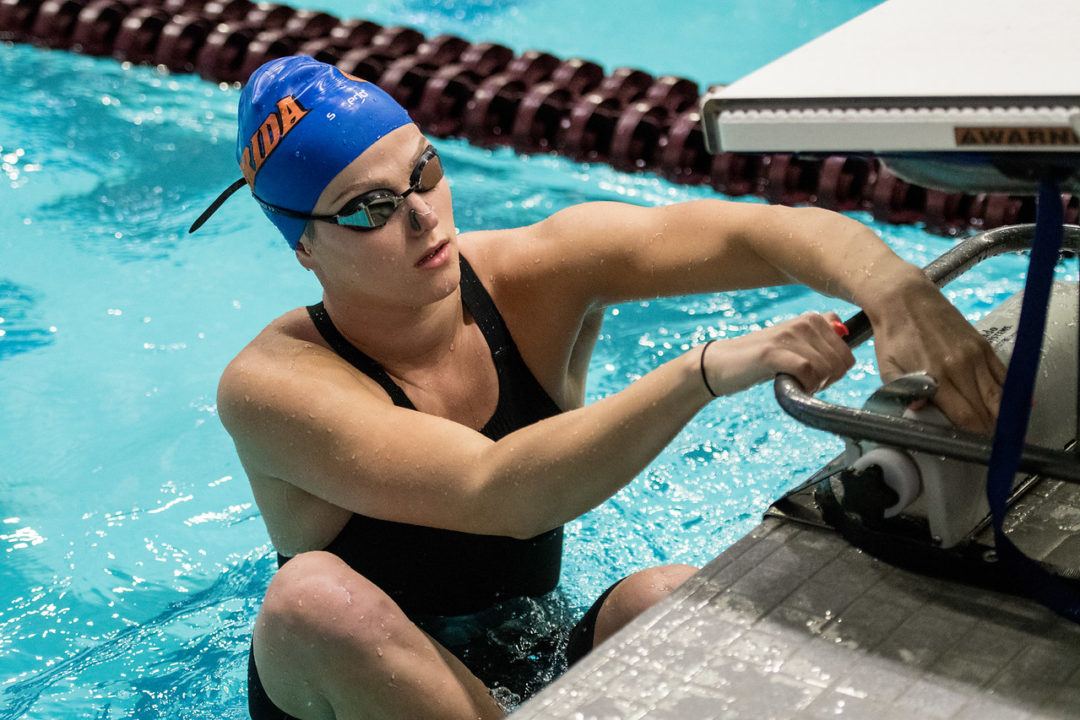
{"x": 301, "y": 122}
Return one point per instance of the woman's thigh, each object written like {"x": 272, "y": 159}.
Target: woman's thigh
{"x": 329, "y": 643}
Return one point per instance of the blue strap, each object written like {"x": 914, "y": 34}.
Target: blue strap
{"x": 1028, "y": 576}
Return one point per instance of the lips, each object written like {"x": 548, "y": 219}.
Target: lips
{"x": 432, "y": 253}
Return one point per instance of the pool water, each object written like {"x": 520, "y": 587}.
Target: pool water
{"x": 134, "y": 559}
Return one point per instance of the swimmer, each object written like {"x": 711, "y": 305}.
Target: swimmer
{"x": 417, "y": 439}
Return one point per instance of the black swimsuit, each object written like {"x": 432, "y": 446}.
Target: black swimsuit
{"x": 429, "y": 572}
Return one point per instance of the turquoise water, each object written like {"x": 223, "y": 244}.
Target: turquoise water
{"x": 134, "y": 559}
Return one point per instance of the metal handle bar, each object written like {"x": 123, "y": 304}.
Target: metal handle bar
{"x": 950, "y": 442}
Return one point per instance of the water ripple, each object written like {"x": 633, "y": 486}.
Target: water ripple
{"x": 226, "y": 609}
{"x": 19, "y": 332}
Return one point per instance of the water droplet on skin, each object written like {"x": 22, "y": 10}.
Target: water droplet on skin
{"x": 378, "y": 650}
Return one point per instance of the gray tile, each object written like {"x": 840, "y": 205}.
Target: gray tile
{"x": 819, "y": 541}
{"x": 865, "y": 623}
{"x": 1046, "y": 661}
{"x": 1066, "y": 517}
{"x": 924, "y": 637}
{"x": 799, "y": 560}
{"x": 1065, "y": 703}
{"x": 606, "y": 708}
{"x": 928, "y": 699}
{"x": 831, "y": 704}
{"x": 977, "y": 670}
{"x": 749, "y": 560}
{"x": 767, "y": 584}
{"x": 701, "y": 595}
{"x": 821, "y": 662}
{"x": 995, "y": 644}
{"x": 699, "y": 703}
{"x": 734, "y": 608}
{"x": 599, "y": 674}
{"x": 901, "y": 589}
{"x": 1028, "y": 692}
{"x": 535, "y": 707}
{"x": 762, "y": 540}
{"x": 784, "y": 620}
{"x": 1036, "y": 539}
{"x": 758, "y": 694}
{"x": 991, "y": 708}
{"x": 791, "y": 623}
{"x": 660, "y": 620}
{"x": 1055, "y": 714}
{"x": 877, "y": 679}
{"x": 762, "y": 650}
{"x": 851, "y": 569}
{"x": 641, "y": 684}
{"x": 705, "y": 632}
{"x": 677, "y": 662}
{"x": 822, "y": 599}
{"x": 716, "y": 676}
{"x": 809, "y": 671}
{"x": 778, "y": 696}
{"x": 558, "y": 701}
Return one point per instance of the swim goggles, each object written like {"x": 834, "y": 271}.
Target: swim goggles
{"x": 368, "y": 211}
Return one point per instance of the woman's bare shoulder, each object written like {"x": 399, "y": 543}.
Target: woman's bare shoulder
{"x": 277, "y": 361}
{"x": 503, "y": 259}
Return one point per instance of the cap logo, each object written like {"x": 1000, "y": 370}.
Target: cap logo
{"x": 269, "y": 134}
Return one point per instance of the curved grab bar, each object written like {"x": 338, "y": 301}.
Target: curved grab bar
{"x": 950, "y": 442}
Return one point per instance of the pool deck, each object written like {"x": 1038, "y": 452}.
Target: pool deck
{"x": 793, "y": 622}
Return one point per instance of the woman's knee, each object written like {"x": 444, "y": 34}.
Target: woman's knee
{"x": 645, "y": 588}
{"x": 318, "y": 616}
{"x": 329, "y": 643}
{"x": 316, "y": 602}
{"x": 637, "y": 593}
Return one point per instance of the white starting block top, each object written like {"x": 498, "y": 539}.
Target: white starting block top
{"x": 917, "y": 76}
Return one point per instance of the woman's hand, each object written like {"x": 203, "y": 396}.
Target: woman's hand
{"x": 916, "y": 329}
{"x": 806, "y": 347}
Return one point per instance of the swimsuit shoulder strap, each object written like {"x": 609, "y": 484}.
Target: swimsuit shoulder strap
{"x": 356, "y": 357}
{"x": 487, "y": 317}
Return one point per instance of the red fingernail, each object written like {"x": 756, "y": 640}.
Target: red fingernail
{"x": 840, "y": 328}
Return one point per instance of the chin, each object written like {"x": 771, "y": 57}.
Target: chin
{"x": 436, "y": 286}
{"x": 449, "y": 280}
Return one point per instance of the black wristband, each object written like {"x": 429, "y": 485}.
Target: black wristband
{"x": 703, "y": 377}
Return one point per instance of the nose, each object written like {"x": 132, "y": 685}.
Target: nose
{"x": 422, "y": 216}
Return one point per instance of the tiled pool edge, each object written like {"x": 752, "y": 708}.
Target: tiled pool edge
{"x": 793, "y": 622}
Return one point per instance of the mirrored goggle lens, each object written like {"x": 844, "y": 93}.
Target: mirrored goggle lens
{"x": 431, "y": 174}
{"x": 372, "y": 214}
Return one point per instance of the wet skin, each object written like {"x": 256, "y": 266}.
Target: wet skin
{"x": 320, "y": 441}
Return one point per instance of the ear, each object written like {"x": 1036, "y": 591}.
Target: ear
{"x": 303, "y": 253}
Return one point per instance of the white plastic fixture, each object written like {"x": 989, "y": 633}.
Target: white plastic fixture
{"x": 963, "y": 84}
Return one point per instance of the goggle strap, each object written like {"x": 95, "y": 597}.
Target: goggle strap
{"x": 430, "y": 154}
{"x": 216, "y": 204}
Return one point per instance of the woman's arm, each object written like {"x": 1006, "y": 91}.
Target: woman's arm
{"x": 313, "y": 424}
{"x": 605, "y": 252}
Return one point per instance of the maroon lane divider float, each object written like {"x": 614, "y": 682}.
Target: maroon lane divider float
{"x": 533, "y": 102}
